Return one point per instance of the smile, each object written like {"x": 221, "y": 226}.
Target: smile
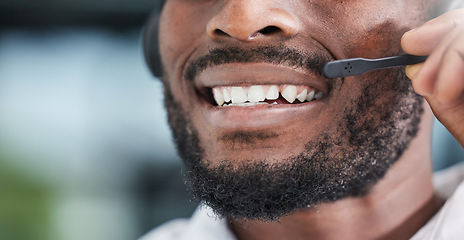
{"x": 260, "y": 95}
{"x": 264, "y": 94}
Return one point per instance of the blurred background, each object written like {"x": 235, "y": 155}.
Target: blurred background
{"x": 85, "y": 150}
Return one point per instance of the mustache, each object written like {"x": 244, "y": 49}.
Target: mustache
{"x": 290, "y": 57}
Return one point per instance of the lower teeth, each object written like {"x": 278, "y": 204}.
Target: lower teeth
{"x": 247, "y": 104}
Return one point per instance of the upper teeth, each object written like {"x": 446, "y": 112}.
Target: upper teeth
{"x": 272, "y": 93}
{"x": 257, "y": 94}
{"x": 238, "y": 95}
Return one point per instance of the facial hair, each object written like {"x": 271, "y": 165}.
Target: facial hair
{"x": 346, "y": 161}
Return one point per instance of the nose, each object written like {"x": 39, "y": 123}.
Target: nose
{"x": 251, "y": 20}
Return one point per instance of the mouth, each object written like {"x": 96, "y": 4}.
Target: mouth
{"x": 259, "y": 94}
{"x": 239, "y": 85}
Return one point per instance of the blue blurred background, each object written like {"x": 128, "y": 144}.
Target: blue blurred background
{"x": 85, "y": 150}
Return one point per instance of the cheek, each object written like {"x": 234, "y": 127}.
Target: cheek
{"x": 171, "y": 30}
{"x": 381, "y": 41}
{"x": 371, "y": 39}
{"x": 381, "y": 36}
{"x": 178, "y": 36}
{"x": 370, "y": 29}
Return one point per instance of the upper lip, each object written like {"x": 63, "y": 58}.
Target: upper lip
{"x": 247, "y": 74}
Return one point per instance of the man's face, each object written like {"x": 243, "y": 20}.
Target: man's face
{"x": 279, "y": 155}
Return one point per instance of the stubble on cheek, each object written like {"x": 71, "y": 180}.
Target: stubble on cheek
{"x": 383, "y": 40}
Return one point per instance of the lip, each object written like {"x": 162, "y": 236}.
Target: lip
{"x": 247, "y": 74}
{"x": 258, "y": 116}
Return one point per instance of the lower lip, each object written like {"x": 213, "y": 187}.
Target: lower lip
{"x": 258, "y": 116}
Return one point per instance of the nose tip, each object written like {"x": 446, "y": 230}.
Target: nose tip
{"x": 249, "y": 20}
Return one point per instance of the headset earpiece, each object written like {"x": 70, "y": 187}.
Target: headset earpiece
{"x": 151, "y": 44}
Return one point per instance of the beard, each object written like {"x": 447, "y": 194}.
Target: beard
{"x": 369, "y": 137}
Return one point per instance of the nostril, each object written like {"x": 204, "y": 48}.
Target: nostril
{"x": 219, "y": 32}
{"x": 269, "y": 30}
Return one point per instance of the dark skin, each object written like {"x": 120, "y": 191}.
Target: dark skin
{"x": 360, "y": 28}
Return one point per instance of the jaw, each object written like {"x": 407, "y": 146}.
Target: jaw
{"x": 362, "y": 129}
{"x": 273, "y": 133}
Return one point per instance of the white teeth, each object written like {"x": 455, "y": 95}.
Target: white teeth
{"x": 218, "y": 97}
{"x": 310, "y": 96}
{"x": 256, "y": 94}
{"x": 289, "y": 93}
{"x": 226, "y": 95}
{"x": 247, "y": 104}
{"x": 302, "y": 96}
{"x": 238, "y": 95}
{"x": 272, "y": 93}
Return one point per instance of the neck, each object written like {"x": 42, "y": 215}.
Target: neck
{"x": 395, "y": 208}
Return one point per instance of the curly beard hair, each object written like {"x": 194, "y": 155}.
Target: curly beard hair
{"x": 369, "y": 139}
